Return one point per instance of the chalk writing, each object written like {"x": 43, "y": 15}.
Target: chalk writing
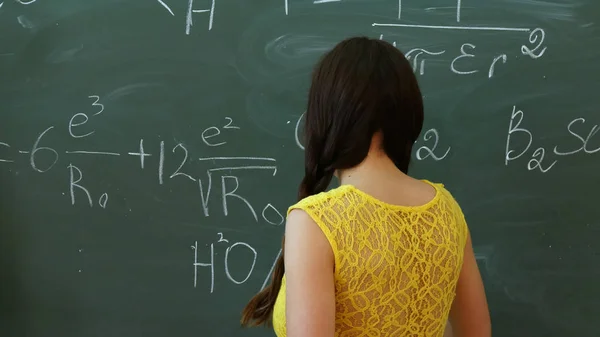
{"x": 43, "y": 158}
{"x": 5, "y": 160}
{"x": 514, "y": 127}
{"x": 80, "y": 118}
{"x": 103, "y": 200}
{"x": 214, "y": 159}
{"x": 399, "y": 9}
{"x": 228, "y": 273}
{"x": 229, "y": 124}
{"x": 232, "y": 194}
{"x": 493, "y": 66}
{"x": 179, "y": 163}
{"x": 286, "y": 4}
{"x": 429, "y": 151}
{"x": 252, "y": 167}
{"x": 191, "y": 10}
{"x": 181, "y": 148}
{"x": 161, "y": 162}
{"x": 536, "y": 161}
{"x": 297, "y": 132}
{"x": 205, "y": 196}
{"x": 36, "y": 148}
{"x": 72, "y": 124}
{"x": 229, "y": 191}
{"x": 206, "y": 135}
{"x": 241, "y": 246}
{"x": 533, "y": 39}
{"x": 463, "y": 54}
{"x": 185, "y": 158}
{"x": 458, "y": 9}
{"x": 418, "y": 57}
{"x": 584, "y": 141}
{"x": 189, "y": 20}
{"x": 414, "y": 54}
{"x": 74, "y": 183}
{"x": 211, "y": 264}
{"x": 279, "y": 219}
{"x": 534, "y": 48}
{"x": 422, "y": 153}
{"x": 141, "y": 153}
{"x": 476, "y": 28}
{"x": 101, "y": 153}
{"x": 229, "y": 167}
{"x": 96, "y": 104}
{"x": 214, "y": 131}
{"x": 166, "y": 7}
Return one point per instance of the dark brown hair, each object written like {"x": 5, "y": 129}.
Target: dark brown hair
{"x": 362, "y": 86}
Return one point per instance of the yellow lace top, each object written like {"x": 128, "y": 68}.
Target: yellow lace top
{"x": 396, "y": 267}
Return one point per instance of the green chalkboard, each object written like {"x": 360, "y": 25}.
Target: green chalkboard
{"x": 149, "y": 151}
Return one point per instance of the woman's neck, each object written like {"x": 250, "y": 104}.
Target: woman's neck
{"x": 377, "y": 167}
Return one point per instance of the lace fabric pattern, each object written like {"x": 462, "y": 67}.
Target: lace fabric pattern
{"x": 396, "y": 267}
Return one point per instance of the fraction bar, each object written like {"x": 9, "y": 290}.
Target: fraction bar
{"x": 504, "y": 29}
{"x": 94, "y": 152}
{"x": 256, "y": 167}
{"x": 237, "y": 158}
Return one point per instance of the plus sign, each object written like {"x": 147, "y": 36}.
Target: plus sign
{"x": 141, "y": 153}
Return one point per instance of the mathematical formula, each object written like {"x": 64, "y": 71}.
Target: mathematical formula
{"x": 214, "y": 255}
{"x": 79, "y": 126}
{"x": 459, "y": 65}
{"x": 42, "y": 158}
{"x": 533, "y": 46}
{"x": 225, "y": 263}
{"x": 430, "y": 150}
{"x": 578, "y": 128}
{"x": 214, "y": 265}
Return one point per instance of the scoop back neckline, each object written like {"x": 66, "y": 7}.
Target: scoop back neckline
{"x": 395, "y": 206}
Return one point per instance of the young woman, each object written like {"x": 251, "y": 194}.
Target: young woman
{"x": 383, "y": 254}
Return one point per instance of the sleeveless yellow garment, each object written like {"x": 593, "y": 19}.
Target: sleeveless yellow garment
{"x": 396, "y": 267}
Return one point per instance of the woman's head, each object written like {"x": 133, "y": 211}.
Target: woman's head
{"x": 361, "y": 87}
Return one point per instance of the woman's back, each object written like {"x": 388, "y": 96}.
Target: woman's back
{"x": 396, "y": 267}
{"x": 353, "y": 264}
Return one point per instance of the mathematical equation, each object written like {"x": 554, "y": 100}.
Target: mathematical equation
{"x": 419, "y": 56}
{"x": 430, "y": 150}
{"x": 42, "y": 158}
{"x": 585, "y": 139}
{"x": 212, "y": 264}
{"x": 520, "y": 140}
{"x": 577, "y": 128}
{"x": 534, "y": 47}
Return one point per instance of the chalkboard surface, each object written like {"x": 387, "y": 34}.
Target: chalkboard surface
{"x": 149, "y": 151}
